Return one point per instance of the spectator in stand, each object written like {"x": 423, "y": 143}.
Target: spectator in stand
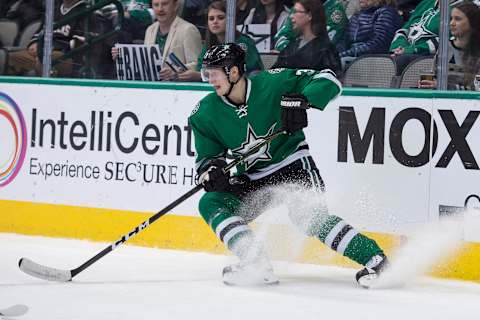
{"x": 312, "y": 49}
{"x": 217, "y": 24}
{"x": 271, "y": 12}
{"x": 66, "y": 38}
{"x": 369, "y": 31}
{"x": 194, "y": 12}
{"x": 172, "y": 34}
{"x": 243, "y": 10}
{"x": 336, "y": 23}
{"x": 419, "y": 36}
{"x": 464, "y": 48}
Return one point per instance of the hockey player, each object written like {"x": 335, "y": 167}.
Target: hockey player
{"x": 237, "y": 116}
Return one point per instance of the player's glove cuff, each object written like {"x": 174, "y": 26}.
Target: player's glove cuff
{"x": 294, "y": 112}
{"x": 213, "y": 178}
{"x": 294, "y": 101}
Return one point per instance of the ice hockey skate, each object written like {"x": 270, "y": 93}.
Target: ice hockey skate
{"x": 248, "y": 274}
{"x": 370, "y": 274}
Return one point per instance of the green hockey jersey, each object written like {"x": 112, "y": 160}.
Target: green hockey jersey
{"x": 420, "y": 33}
{"x": 219, "y": 126}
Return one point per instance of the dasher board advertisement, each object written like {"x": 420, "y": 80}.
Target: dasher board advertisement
{"x": 388, "y": 163}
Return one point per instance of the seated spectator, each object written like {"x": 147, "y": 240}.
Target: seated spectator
{"x": 419, "y": 36}
{"x": 312, "y": 49}
{"x": 369, "y": 31}
{"x": 172, "y": 34}
{"x": 194, "y": 11}
{"x": 464, "y": 48}
{"x": 271, "y": 12}
{"x": 217, "y": 24}
{"x": 243, "y": 10}
{"x": 65, "y": 39}
{"x": 336, "y": 23}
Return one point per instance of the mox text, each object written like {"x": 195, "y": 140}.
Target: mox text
{"x": 348, "y": 131}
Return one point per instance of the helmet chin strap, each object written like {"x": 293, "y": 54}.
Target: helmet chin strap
{"x": 232, "y": 83}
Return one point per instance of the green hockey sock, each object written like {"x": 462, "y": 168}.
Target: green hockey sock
{"x": 343, "y": 238}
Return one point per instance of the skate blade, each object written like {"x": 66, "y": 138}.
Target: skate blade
{"x": 384, "y": 281}
{"x": 247, "y": 280}
{"x": 251, "y": 283}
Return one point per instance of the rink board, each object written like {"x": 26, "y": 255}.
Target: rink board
{"x": 92, "y": 160}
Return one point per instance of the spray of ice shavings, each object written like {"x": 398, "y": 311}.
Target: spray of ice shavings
{"x": 370, "y": 216}
{"x": 426, "y": 247}
{"x": 285, "y": 214}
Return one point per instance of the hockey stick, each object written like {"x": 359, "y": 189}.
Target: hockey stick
{"x": 48, "y": 273}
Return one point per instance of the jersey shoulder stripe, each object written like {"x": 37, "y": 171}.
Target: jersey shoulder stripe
{"x": 329, "y": 75}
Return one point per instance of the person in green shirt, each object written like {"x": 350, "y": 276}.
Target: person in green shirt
{"x": 336, "y": 22}
{"x": 419, "y": 35}
{"x": 239, "y": 115}
{"x": 217, "y": 24}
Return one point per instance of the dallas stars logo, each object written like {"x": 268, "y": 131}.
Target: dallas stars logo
{"x": 252, "y": 139}
{"x": 419, "y": 29}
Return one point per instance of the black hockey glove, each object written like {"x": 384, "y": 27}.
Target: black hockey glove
{"x": 213, "y": 178}
{"x": 294, "y": 112}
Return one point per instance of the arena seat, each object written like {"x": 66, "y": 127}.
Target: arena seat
{"x": 370, "y": 71}
{"x": 411, "y": 74}
{"x": 8, "y": 32}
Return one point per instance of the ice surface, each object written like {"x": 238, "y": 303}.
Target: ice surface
{"x": 144, "y": 283}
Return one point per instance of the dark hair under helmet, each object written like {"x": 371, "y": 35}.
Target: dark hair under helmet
{"x": 226, "y": 56}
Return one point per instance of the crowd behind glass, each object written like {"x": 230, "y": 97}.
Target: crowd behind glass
{"x": 311, "y": 34}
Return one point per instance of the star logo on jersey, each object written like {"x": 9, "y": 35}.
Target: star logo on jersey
{"x": 251, "y": 140}
{"x": 419, "y": 30}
